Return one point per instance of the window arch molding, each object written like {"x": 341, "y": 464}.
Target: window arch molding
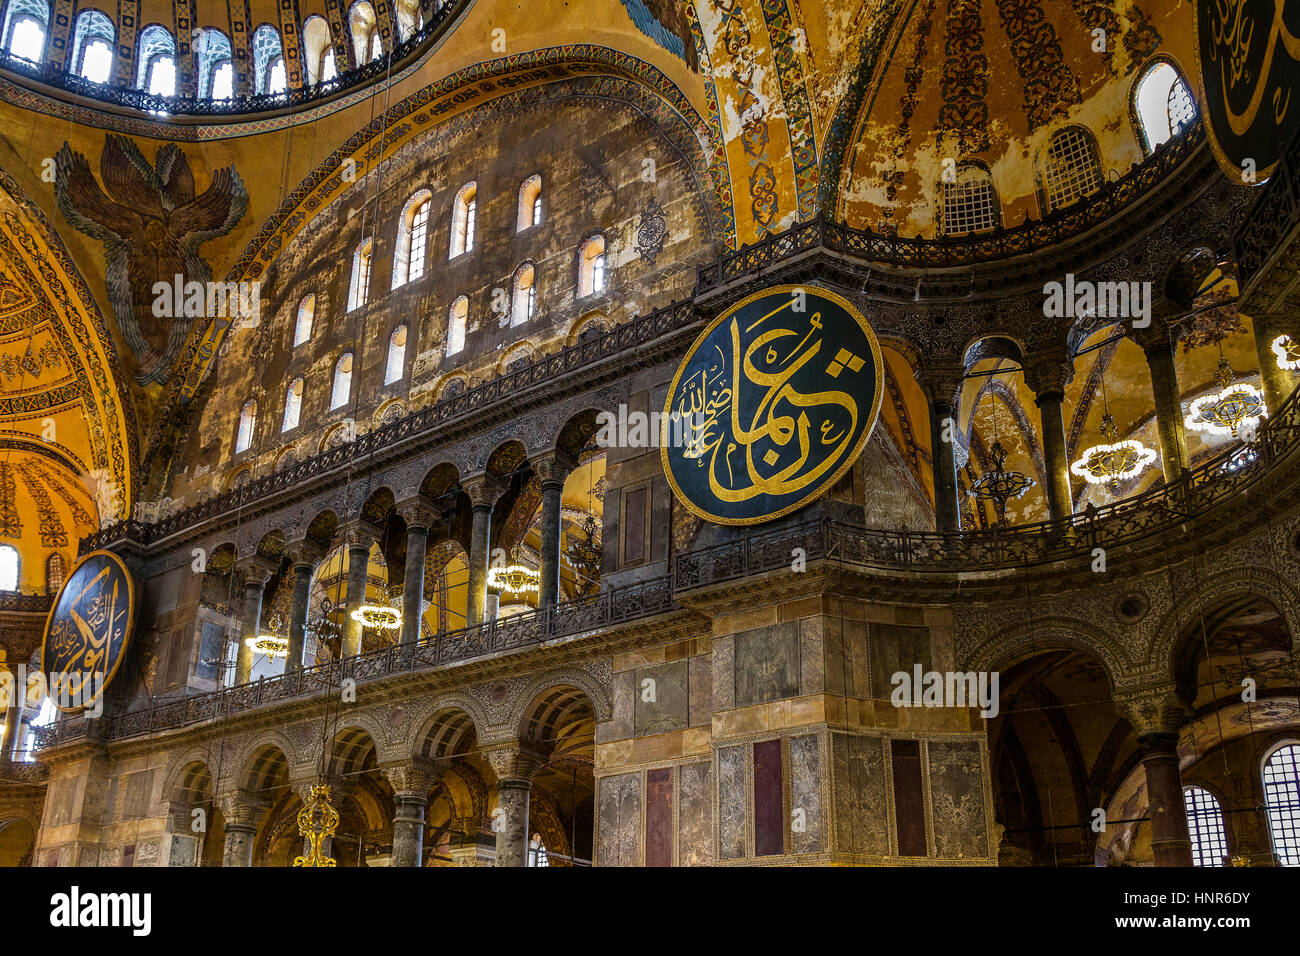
{"x": 213, "y": 55}
{"x": 464, "y": 220}
{"x": 592, "y": 265}
{"x": 411, "y": 248}
{"x": 1279, "y": 771}
{"x": 530, "y": 210}
{"x": 970, "y": 203}
{"x": 395, "y": 360}
{"x": 268, "y": 51}
{"x": 92, "y": 27}
{"x": 34, "y": 12}
{"x": 155, "y": 52}
{"x": 1068, "y": 167}
{"x": 316, "y": 39}
{"x": 523, "y": 292}
{"x": 1206, "y": 825}
{"x": 1140, "y": 76}
{"x": 362, "y": 266}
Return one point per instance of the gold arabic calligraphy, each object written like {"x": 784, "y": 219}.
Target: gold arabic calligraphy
{"x": 81, "y": 637}
{"x": 717, "y": 427}
{"x": 1233, "y": 29}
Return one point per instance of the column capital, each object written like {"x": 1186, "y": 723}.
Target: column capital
{"x": 554, "y": 466}
{"x": 243, "y": 808}
{"x": 419, "y": 512}
{"x": 256, "y": 570}
{"x": 304, "y": 554}
{"x": 513, "y": 760}
{"x": 1154, "y": 711}
{"x": 941, "y": 382}
{"x": 484, "y": 490}
{"x": 1047, "y": 374}
{"x": 359, "y": 534}
{"x": 413, "y": 777}
{"x": 339, "y": 788}
{"x": 1155, "y": 337}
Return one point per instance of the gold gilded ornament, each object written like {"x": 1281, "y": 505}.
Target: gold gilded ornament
{"x": 317, "y": 820}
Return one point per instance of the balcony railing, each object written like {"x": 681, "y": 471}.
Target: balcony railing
{"x": 1274, "y": 215}
{"x": 21, "y": 771}
{"x": 25, "y": 603}
{"x": 172, "y": 106}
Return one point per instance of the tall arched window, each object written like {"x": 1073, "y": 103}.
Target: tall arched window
{"x": 212, "y": 52}
{"x": 93, "y": 39}
{"x": 530, "y": 203}
{"x": 591, "y": 265}
{"x": 1282, "y": 798}
{"x": 156, "y": 53}
{"x": 970, "y": 203}
{"x": 306, "y": 314}
{"x": 267, "y": 52}
{"x": 1205, "y": 824}
{"x": 315, "y": 41}
{"x": 412, "y": 238}
{"x": 457, "y": 320}
{"x": 328, "y": 68}
{"x": 1071, "y": 167}
{"x": 359, "y": 291}
{"x": 464, "y": 214}
{"x": 537, "y": 855}
{"x": 8, "y": 568}
{"x": 247, "y": 421}
{"x": 56, "y": 572}
{"x": 1163, "y": 104}
{"x": 364, "y": 26}
{"x": 523, "y": 303}
{"x": 342, "y": 381}
{"x": 396, "y": 355}
{"x": 292, "y": 405}
{"x": 409, "y": 18}
{"x": 26, "y": 23}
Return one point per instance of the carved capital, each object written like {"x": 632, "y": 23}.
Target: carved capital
{"x": 359, "y": 534}
{"x": 419, "y": 512}
{"x": 304, "y": 553}
{"x": 941, "y": 383}
{"x": 554, "y": 467}
{"x": 1156, "y": 709}
{"x": 513, "y": 760}
{"x": 1155, "y": 337}
{"x": 1048, "y": 374}
{"x": 256, "y": 570}
{"x": 412, "y": 778}
{"x": 483, "y": 490}
{"x": 243, "y": 808}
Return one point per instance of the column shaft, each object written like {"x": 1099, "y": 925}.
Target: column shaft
{"x": 1059, "y": 500}
{"x": 417, "y": 543}
{"x": 13, "y": 717}
{"x": 239, "y": 844}
{"x": 947, "y": 514}
{"x": 298, "y": 616}
{"x": 249, "y": 625}
{"x": 549, "y": 586}
{"x": 358, "y": 564}
{"x": 408, "y": 830}
{"x": 1276, "y": 382}
{"x": 1169, "y": 410}
{"x": 511, "y": 825}
{"x": 478, "y": 563}
{"x": 1171, "y": 843}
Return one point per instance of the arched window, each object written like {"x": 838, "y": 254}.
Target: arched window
{"x": 365, "y": 29}
{"x": 26, "y": 22}
{"x": 1163, "y": 104}
{"x": 412, "y": 238}
{"x": 315, "y": 41}
{"x": 537, "y": 855}
{"x": 56, "y": 571}
{"x": 1071, "y": 167}
{"x": 970, "y": 203}
{"x": 360, "y": 289}
{"x": 463, "y": 216}
{"x": 1205, "y": 824}
{"x": 396, "y": 355}
{"x": 93, "y": 39}
{"x": 247, "y": 420}
{"x": 216, "y": 77}
{"x": 292, "y": 405}
{"x": 591, "y": 265}
{"x": 8, "y": 568}
{"x": 1282, "y": 798}
{"x": 530, "y": 203}
{"x": 328, "y": 70}
{"x": 342, "y": 381}
{"x": 267, "y": 51}
{"x": 409, "y": 18}
{"x": 306, "y": 313}
{"x": 457, "y": 319}
{"x": 523, "y": 302}
{"x": 156, "y": 59}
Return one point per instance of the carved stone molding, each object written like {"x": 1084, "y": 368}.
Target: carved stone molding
{"x": 1155, "y": 709}
{"x": 413, "y": 777}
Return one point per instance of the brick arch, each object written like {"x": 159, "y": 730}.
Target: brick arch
{"x": 598, "y": 695}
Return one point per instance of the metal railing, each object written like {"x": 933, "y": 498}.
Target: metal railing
{"x": 182, "y": 105}
{"x": 1273, "y": 216}
{"x": 25, "y": 603}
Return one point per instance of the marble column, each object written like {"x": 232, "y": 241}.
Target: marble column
{"x": 358, "y": 538}
{"x": 304, "y": 558}
{"x": 13, "y": 717}
{"x": 411, "y": 781}
{"x": 1156, "y": 714}
{"x": 483, "y": 492}
{"x": 941, "y": 384}
{"x": 1276, "y": 382}
{"x": 420, "y": 517}
{"x": 515, "y": 766}
{"x": 1169, "y": 406}
{"x": 1047, "y": 378}
{"x": 243, "y": 812}
{"x": 256, "y": 572}
{"x": 553, "y": 470}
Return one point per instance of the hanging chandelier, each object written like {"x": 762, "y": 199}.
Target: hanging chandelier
{"x": 1234, "y": 407}
{"x": 1113, "y": 461}
{"x": 584, "y": 552}
{"x": 514, "y": 578}
{"x": 317, "y": 820}
{"x": 272, "y": 644}
{"x": 1287, "y": 351}
{"x": 999, "y": 485}
{"x": 323, "y": 626}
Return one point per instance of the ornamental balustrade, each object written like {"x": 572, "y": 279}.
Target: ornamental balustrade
{"x": 181, "y": 105}
{"x": 23, "y": 771}
{"x": 1273, "y": 217}
{"x": 25, "y": 603}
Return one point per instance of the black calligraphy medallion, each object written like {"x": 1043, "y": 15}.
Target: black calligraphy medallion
{"x": 87, "y": 632}
{"x": 771, "y": 406}
{"x": 1249, "y": 57}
